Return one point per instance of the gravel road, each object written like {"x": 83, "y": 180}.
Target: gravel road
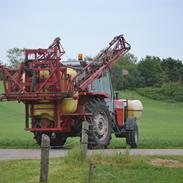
{"x": 13, "y": 154}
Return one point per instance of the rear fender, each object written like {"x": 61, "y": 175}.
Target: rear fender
{"x": 94, "y": 94}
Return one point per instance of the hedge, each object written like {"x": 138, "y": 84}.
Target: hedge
{"x": 168, "y": 92}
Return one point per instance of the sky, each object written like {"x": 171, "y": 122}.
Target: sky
{"x": 86, "y": 26}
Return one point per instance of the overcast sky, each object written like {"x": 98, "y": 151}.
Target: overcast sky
{"x": 152, "y": 27}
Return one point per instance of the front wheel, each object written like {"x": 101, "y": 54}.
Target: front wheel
{"x": 132, "y": 133}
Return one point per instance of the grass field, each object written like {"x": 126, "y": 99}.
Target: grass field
{"x": 161, "y": 125}
{"x": 121, "y": 168}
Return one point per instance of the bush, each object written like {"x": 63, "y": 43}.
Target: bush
{"x": 168, "y": 92}
{"x": 150, "y": 92}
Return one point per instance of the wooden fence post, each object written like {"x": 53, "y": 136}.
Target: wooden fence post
{"x": 90, "y": 173}
{"x": 84, "y": 140}
{"x": 45, "y": 146}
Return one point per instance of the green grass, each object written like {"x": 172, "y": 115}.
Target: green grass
{"x": 161, "y": 125}
{"x": 12, "y": 132}
{"x": 12, "y": 125}
{"x": 111, "y": 169}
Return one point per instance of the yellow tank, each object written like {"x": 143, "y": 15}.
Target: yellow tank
{"x": 135, "y": 108}
{"x": 44, "y": 74}
{"x": 68, "y": 105}
{"x": 44, "y": 110}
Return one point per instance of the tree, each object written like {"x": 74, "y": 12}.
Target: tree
{"x": 127, "y": 81}
{"x": 181, "y": 75}
{"x": 150, "y": 72}
{"x": 15, "y": 57}
{"x": 173, "y": 69}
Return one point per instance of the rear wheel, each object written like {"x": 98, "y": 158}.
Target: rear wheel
{"x": 132, "y": 133}
{"x": 100, "y": 127}
{"x": 57, "y": 140}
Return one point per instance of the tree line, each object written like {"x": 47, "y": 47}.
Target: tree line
{"x": 151, "y": 71}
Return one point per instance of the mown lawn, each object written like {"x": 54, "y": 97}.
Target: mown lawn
{"x": 120, "y": 168}
{"x": 161, "y": 125}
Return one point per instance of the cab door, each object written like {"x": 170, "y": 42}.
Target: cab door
{"x": 104, "y": 85}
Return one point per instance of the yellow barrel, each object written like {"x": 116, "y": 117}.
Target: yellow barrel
{"x": 69, "y": 105}
{"x": 44, "y": 110}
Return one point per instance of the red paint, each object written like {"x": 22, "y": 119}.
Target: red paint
{"x": 119, "y": 109}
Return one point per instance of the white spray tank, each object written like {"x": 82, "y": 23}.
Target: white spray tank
{"x": 135, "y": 108}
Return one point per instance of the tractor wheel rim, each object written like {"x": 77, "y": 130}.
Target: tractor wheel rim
{"x": 101, "y": 125}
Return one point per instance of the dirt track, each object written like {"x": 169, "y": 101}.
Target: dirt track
{"x": 13, "y": 154}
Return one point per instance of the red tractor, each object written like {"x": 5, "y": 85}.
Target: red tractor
{"x": 59, "y": 96}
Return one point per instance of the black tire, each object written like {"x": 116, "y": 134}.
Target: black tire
{"x": 56, "y": 139}
{"x": 100, "y": 128}
{"x": 55, "y": 142}
{"x": 132, "y": 133}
